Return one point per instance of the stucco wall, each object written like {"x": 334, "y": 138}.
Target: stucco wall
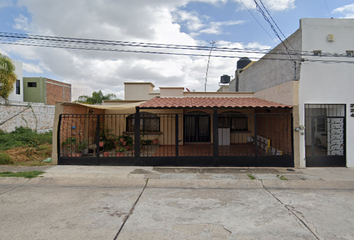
{"x": 286, "y": 93}
{"x": 34, "y": 94}
{"x": 16, "y": 114}
{"x": 328, "y": 83}
{"x": 19, "y": 73}
{"x": 273, "y": 69}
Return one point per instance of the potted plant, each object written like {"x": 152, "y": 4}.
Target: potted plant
{"x": 155, "y": 140}
{"x": 128, "y": 142}
{"x": 70, "y": 144}
{"x": 83, "y": 146}
{"x": 120, "y": 151}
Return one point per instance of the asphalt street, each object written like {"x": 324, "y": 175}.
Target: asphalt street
{"x": 96, "y": 202}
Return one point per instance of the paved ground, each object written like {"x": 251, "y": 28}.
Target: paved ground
{"x": 83, "y": 202}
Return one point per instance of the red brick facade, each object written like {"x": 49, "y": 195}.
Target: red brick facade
{"x": 57, "y": 91}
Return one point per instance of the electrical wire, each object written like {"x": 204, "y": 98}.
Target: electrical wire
{"x": 286, "y": 39}
{"x": 109, "y": 45}
{"x": 258, "y": 21}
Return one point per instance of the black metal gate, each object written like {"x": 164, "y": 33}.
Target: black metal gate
{"x": 325, "y": 135}
{"x": 148, "y": 139}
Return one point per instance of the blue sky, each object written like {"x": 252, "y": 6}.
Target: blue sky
{"x": 227, "y": 22}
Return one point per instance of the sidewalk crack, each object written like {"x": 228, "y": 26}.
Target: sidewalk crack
{"x": 292, "y": 210}
{"x": 131, "y": 210}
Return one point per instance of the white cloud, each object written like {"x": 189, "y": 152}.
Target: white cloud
{"x": 347, "y": 10}
{"x": 31, "y": 68}
{"x": 215, "y": 27}
{"x": 21, "y": 23}
{"x": 276, "y": 5}
{"x": 134, "y": 20}
{"x": 191, "y": 18}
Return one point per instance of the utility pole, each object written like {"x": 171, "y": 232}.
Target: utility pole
{"x": 206, "y": 74}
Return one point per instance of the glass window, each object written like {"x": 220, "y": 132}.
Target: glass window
{"x": 31, "y": 84}
{"x": 234, "y": 120}
{"x": 18, "y": 89}
{"x": 149, "y": 122}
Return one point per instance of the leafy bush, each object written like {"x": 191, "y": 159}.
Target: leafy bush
{"x": 25, "y": 137}
{"x": 5, "y": 159}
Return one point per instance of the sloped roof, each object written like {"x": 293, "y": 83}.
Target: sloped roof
{"x": 211, "y": 102}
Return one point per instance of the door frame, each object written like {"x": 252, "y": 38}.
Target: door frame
{"x": 196, "y": 115}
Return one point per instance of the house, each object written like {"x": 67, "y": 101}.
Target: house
{"x": 45, "y": 90}
{"x": 172, "y": 127}
{"x": 17, "y": 94}
{"x": 293, "y": 107}
{"x": 313, "y": 72}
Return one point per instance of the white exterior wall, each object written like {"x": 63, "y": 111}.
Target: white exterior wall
{"x": 328, "y": 83}
{"x": 19, "y": 73}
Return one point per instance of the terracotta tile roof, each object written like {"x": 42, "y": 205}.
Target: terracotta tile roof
{"x": 210, "y": 102}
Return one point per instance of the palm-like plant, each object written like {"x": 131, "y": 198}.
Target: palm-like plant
{"x": 97, "y": 97}
{"x": 7, "y": 76}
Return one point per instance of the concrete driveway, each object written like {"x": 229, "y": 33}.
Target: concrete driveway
{"x": 77, "y": 202}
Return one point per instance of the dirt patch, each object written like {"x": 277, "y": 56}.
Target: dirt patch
{"x": 30, "y": 156}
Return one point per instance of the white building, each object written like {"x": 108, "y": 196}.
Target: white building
{"x": 17, "y": 94}
{"x": 313, "y": 70}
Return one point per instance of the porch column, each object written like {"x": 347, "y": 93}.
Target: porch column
{"x": 215, "y": 138}
{"x": 137, "y": 136}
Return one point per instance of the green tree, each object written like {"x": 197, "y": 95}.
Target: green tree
{"x": 97, "y": 97}
{"x": 7, "y": 76}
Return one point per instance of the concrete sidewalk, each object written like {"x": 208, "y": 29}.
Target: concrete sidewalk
{"x": 98, "y": 202}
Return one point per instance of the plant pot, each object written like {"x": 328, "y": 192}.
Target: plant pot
{"x": 101, "y": 144}
{"x": 71, "y": 155}
{"x": 121, "y": 139}
{"x": 77, "y": 154}
{"x": 106, "y": 154}
{"x": 119, "y": 154}
{"x": 155, "y": 141}
{"x": 124, "y": 143}
{"x": 128, "y": 147}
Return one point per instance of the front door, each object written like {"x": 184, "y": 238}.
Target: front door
{"x": 325, "y": 138}
{"x": 197, "y": 127}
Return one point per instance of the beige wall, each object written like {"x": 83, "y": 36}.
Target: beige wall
{"x": 286, "y": 93}
{"x": 138, "y": 91}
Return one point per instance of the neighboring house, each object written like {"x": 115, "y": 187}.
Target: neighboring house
{"x": 44, "y": 90}
{"x": 174, "y": 127}
{"x": 318, "y": 81}
{"x": 17, "y": 94}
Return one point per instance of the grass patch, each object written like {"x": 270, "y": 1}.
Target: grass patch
{"x": 251, "y": 176}
{"x": 23, "y": 137}
{"x": 31, "y": 174}
{"x": 5, "y": 159}
{"x": 282, "y": 177}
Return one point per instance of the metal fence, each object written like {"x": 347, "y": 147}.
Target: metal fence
{"x": 190, "y": 139}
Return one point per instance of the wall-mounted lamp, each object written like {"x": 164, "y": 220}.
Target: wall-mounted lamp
{"x": 299, "y": 128}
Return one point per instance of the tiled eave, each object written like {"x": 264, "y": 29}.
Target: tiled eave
{"x": 210, "y": 102}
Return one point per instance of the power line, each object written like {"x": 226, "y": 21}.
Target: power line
{"x": 258, "y": 21}
{"x": 327, "y": 8}
{"x": 85, "y": 44}
{"x": 286, "y": 39}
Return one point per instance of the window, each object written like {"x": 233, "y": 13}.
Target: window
{"x": 31, "y": 84}
{"x": 317, "y": 52}
{"x": 234, "y": 120}
{"x": 149, "y": 122}
{"x": 18, "y": 89}
{"x": 350, "y": 53}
